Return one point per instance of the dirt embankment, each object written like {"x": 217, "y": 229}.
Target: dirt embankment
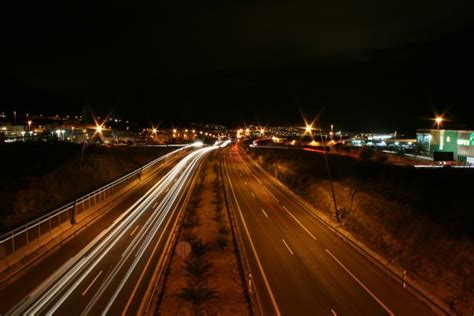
{"x": 208, "y": 280}
{"x": 38, "y": 177}
{"x": 420, "y": 220}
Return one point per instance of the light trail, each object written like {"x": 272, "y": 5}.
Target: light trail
{"x": 54, "y": 292}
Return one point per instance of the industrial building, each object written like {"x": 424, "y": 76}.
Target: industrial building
{"x": 458, "y": 142}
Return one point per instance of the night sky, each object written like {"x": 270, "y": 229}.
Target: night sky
{"x": 362, "y": 65}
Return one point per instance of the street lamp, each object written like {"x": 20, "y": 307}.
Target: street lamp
{"x": 29, "y": 125}
{"x": 309, "y": 129}
{"x": 438, "y": 120}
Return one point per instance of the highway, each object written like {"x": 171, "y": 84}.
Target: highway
{"x": 298, "y": 265}
{"x": 109, "y": 275}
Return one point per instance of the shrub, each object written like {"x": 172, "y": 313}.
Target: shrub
{"x": 197, "y": 295}
{"x": 199, "y": 248}
{"x": 196, "y": 268}
{"x": 223, "y": 230}
{"x": 190, "y": 221}
{"x": 221, "y": 241}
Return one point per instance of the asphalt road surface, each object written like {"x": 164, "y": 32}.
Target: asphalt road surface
{"x": 298, "y": 266}
{"x": 109, "y": 275}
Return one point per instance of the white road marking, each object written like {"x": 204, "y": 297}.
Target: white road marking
{"x": 245, "y": 182}
{"x": 264, "y": 213}
{"x": 260, "y": 267}
{"x": 288, "y": 247}
{"x": 154, "y": 205}
{"x": 93, "y": 281}
{"x": 252, "y": 194}
{"x": 299, "y": 223}
{"x": 361, "y": 284}
{"x": 133, "y": 232}
{"x": 167, "y": 189}
{"x": 333, "y": 312}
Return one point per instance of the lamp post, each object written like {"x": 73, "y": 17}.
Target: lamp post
{"x": 309, "y": 129}
{"x": 73, "y": 210}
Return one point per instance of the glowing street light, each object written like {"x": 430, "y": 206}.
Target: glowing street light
{"x": 98, "y": 129}
{"x": 29, "y": 125}
{"x": 308, "y": 129}
{"x": 439, "y": 120}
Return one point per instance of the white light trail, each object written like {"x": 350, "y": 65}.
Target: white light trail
{"x": 56, "y": 289}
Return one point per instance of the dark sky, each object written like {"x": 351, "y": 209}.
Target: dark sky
{"x": 380, "y": 65}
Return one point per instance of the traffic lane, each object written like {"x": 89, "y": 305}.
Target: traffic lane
{"x": 82, "y": 296}
{"x": 389, "y": 291}
{"x": 96, "y": 244}
{"x": 29, "y": 280}
{"x": 130, "y": 297}
{"x": 293, "y": 295}
{"x": 259, "y": 292}
{"x": 133, "y": 261}
{"x": 319, "y": 276}
{"x": 83, "y": 277}
{"x": 384, "y": 287}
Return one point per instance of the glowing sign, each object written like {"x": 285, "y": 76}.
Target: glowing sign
{"x": 463, "y": 142}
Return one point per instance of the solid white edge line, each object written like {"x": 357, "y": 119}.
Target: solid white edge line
{"x": 264, "y": 213}
{"x": 360, "y": 283}
{"x": 333, "y": 312}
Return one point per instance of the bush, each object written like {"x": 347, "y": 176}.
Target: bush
{"x": 223, "y": 230}
{"x": 196, "y": 268}
{"x": 199, "y": 248}
{"x": 190, "y": 221}
{"x": 221, "y": 241}
{"x": 197, "y": 295}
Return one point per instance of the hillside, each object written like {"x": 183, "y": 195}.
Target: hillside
{"x": 38, "y": 177}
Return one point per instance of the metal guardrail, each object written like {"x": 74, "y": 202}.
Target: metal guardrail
{"x": 12, "y": 241}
